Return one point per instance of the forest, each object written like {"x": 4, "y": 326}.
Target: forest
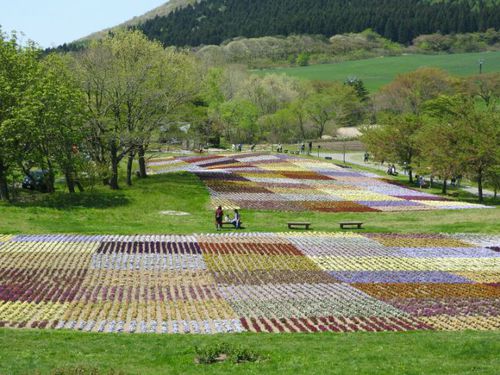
{"x": 215, "y": 21}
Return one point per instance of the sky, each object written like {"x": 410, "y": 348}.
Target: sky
{"x": 54, "y": 22}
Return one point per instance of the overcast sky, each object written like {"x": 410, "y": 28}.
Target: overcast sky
{"x": 54, "y": 22}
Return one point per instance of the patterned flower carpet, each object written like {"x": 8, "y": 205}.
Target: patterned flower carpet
{"x": 259, "y": 282}
{"x": 286, "y": 183}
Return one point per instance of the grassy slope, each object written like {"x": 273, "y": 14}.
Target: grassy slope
{"x": 355, "y": 353}
{"x": 136, "y": 210}
{"x": 377, "y": 72}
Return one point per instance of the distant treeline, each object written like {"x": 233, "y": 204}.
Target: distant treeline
{"x": 214, "y": 21}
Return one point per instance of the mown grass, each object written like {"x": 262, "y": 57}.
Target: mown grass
{"x": 137, "y": 210}
{"x": 379, "y": 71}
{"x": 21, "y": 352}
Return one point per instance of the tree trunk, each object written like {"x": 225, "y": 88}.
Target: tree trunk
{"x": 445, "y": 186}
{"x": 142, "y": 162}
{"x": 130, "y": 164}
{"x": 410, "y": 175}
{"x": 480, "y": 186}
{"x": 4, "y": 187}
{"x": 113, "y": 181}
{"x": 70, "y": 182}
{"x": 51, "y": 179}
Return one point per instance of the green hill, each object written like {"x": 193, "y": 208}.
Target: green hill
{"x": 215, "y": 21}
{"x": 379, "y": 71}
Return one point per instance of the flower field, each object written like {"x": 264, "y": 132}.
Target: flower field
{"x": 286, "y": 183}
{"x": 257, "y": 282}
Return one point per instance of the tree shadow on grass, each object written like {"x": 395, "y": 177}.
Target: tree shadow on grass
{"x": 66, "y": 201}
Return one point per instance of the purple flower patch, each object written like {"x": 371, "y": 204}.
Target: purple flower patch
{"x": 398, "y": 277}
{"x": 448, "y": 306}
{"x": 402, "y": 203}
{"x": 448, "y": 252}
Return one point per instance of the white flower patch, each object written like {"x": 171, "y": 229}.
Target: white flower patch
{"x": 148, "y": 262}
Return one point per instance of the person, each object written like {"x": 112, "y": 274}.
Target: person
{"x": 240, "y": 147}
{"x": 310, "y": 147}
{"x": 421, "y": 182}
{"x": 302, "y": 148}
{"x": 367, "y": 157}
{"x": 237, "y": 219}
{"x": 393, "y": 170}
{"x": 219, "y": 214}
{"x": 253, "y": 147}
{"x": 280, "y": 148}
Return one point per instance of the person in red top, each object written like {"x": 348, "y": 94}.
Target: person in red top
{"x": 219, "y": 214}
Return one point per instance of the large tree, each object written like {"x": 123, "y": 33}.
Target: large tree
{"x": 395, "y": 140}
{"x": 132, "y": 86}
{"x": 18, "y": 69}
{"x": 335, "y": 106}
{"x": 409, "y": 91}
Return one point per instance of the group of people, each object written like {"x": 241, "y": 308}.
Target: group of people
{"x": 220, "y": 219}
{"x": 392, "y": 170}
{"x": 237, "y": 147}
{"x": 303, "y": 147}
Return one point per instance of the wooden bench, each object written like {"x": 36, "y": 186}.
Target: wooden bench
{"x": 231, "y": 224}
{"x": 295, "y": 224}
{"x": 344, "y": 224}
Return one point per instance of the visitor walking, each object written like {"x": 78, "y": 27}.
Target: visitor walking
{"x": 367, "y": 157}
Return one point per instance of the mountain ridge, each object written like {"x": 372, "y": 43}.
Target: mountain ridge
{"x": 160, "y": 11}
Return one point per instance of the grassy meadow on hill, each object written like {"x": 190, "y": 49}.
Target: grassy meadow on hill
{"x": 380, "y": 71}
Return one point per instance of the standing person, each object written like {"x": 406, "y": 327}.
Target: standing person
{"x": 219, "y": 214}
{"x": 310, "y": 147}
{"x": 367, "y": 157}
{"x": 302, "y": 148}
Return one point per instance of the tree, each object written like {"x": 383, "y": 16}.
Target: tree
{"x": 303, "y": 59}
{"x": 395, "y": 140}
{"x": 465, "y": 141}
{"x": 280, "y": 127}
{"x": 271, "y": 92}
{"x": 409, "y": 91}
{"x": 18, "y": 68}
{"x": 439, "y": 151}
{"x": 132, "y": 86}
{"x": 337, "y": 105}
{"x": 358, "y": 86}
{"x": 485, "y": 87}
{"x": 480, "y": 137}
{"x": 239, "y": 117}
{"x": 58, "y": 131}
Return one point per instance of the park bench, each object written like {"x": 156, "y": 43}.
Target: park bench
{"x": 293, "y": 225}
{"x": 344, "y": 224}
{"x": 228, "y": 223}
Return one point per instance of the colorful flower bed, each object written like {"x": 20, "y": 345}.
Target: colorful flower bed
{"x": 282, "y": 182}
{"x": 262, "y": 282}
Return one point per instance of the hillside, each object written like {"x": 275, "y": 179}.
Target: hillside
{"x": 161, "y": 11}
{"x": 215, "y": 21}
{"x": 377, "y": 72}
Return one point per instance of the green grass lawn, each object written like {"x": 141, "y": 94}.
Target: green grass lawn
{"x": 137, "y": 210}
{"x": 379, "y": 71}
{"x": 324, "y": 353}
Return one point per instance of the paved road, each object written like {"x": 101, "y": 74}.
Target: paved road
{"x": 357, "y": 159}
